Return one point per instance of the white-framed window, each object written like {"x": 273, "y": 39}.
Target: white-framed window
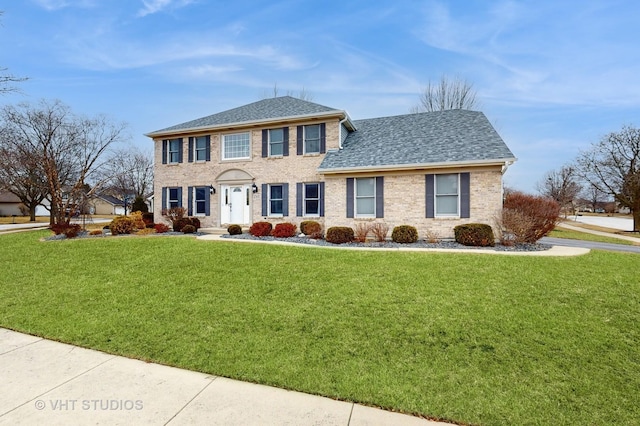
{"x": 236, "y": 146}
{"x": 311, "y": 199}
{"x": 276, "y": 200}
{"x": 200, "y": 147}
{"x": 365, "y": 197}
{"x": 200, "y": 200}
{"x": 174, "y": 150}
{"x": 312, "y": 139}
{"x": 276, "y": 142}
{"x": 173, "y": 200}
{"x": 447, "y": 195}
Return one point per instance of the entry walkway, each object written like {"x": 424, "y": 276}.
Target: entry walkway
{"x": 47, "y": 382}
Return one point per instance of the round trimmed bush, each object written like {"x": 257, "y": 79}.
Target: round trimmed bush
{"x": 261, "y": 229}
{"x": 475, "y": 235}
{"x": 188, "y": 229}
{"x": 339, "y": 235}
{"x": 234, "y": 229}
{"x": 284, "y": 230}
{"x": 122, "y": 225}
{"x": 310, "y": 227}
{"x": 404, "y": 234}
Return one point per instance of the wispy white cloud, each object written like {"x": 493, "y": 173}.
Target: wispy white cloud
{"x": 52, "y": 5}
{"x": 155, "y": 6}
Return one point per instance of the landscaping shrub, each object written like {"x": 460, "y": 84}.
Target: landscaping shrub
{"x": 140, "y": 206}
{"x": 284, "y": 230}
{"x": 380, "y": 231}
{"x": 361, "y": 232}
{"x": 188, "y": 229}
{"x": 63, "y": 228}
{"x": 195, "y": 222}
{"x": 432, "y": 237}
{"x": 474, "y": 234}
{"x": 311, "y": 228}
{"x": 122, "y": 225}
{"x": 234, "y": 229}
{"x": 147, "y": 218}
{"x": 260, "y": 229}
{"x": 146, "y": 231}
{"x": 138, "y": 222}
{"x": 95, "y": 232}
{"x": 179, "y": 224}
{"x": 527, "y": 218}
{"x": 175, "y": 214}
{"x": 72, "y": 230}
{"x": 161, "y": 228}
{"x": 404, "y": 234}
{"x": 339, "y": 235}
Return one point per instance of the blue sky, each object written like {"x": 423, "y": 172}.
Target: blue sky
{"x": 552, "y": 76}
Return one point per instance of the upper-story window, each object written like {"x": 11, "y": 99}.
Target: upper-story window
{"x": 276, "y": 142}
{"x": 236, "y": 146}
{"x": 312, "y": 139}
{"x": 201, "y": 148}
{"x": 172, "y": 151}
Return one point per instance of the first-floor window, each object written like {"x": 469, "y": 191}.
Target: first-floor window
{"x": 311, "y": 200}
{"x": 276, "y": 200}
{"x": 447, "y": 195}
{"x": 174, "y": 198}
{"x": 365, "y": 197}
{"x": 200, "y": 200}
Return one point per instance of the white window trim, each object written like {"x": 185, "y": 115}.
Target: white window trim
{"x": 195, "y": 149}
{"x": 269, "y": 143}
{"x": 436, "y": 195}
{"x": 224, "y": 142}
{"x": 170, "y": 151}
{"x": 304, "y": 140}
{"x": 269, "y": 200}
{"x": 169, "y": 199}
{"x": 304, "y": 199}
{"x": 194, "y": 207}
{"x": 355, "y": 199}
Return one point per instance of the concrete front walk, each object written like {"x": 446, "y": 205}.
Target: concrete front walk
{"x": 47, "y": 382}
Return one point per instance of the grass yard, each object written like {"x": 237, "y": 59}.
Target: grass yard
{"x": 570, "y": 234}
{"x": 468, "y": 338}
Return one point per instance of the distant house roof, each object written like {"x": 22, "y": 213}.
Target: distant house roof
{"x": 8, "y": 197}
{"x": 110, "y": 199}
{"x": 264, "y": 110}
{"x": 423, "y": 139}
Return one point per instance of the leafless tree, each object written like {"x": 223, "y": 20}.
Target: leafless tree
{"x": 592, "y": 195}
{"x": 613, "y": 166}
{"x": 70, "y": 148}
{"x": 561, "y": 186}
{"x": 129, "y": 171}
{"x": 448, "y": 93}
{"x": 303, "y": 94}
{"x": 7, "y": 80}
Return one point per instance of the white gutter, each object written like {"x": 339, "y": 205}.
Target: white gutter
{"x": 442, "y": 165}
{"x": 247, "y": 123}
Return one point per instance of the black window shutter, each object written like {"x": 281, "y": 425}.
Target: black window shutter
{"x": 429, "y": 195}
{"x": 323, "y": 138}
{"x": 164, "y": 151}
{"x": 180, "y": 196}
{"x": 299, "y": 141}
{"x": 164, "y": 199}
{"x": 285, "y": 144}
{"x": 350, "y": 187}
{"x": 190, "y": 200}
{"x": 380, "y": 196}
{"x": 207, "y": 203}
{"x": 299, "y": 189}
{"x": 265, "y": 199}
{"x": 465, "y": 195}
{"x": 208, "y": 154}
{"x": 285, "y": 199}
{"x": 321, "y": 188}
{"x": 190, "y": 150}
{"x": 265, "y": 143}
{"x": 180, "y": 151}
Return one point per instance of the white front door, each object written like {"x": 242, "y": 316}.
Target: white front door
{"x": 235, "y": 204}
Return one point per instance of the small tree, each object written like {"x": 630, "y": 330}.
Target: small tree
{"x": 448, "y": 93}
{"x": 561, "y": 186}
{"x": 139, "y": 205}
{"x": 527, "y": 218}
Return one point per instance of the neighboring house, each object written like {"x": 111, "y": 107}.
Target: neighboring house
{"x": 9, "y": 204}
{"x": 105, "y": 205}
{"x": 288, "y": 160}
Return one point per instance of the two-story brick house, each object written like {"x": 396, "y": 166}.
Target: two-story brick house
{"x": 288, "y": 160}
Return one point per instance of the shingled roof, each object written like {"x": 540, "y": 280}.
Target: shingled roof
{"x": 266, "y": 109}
{"x": 423, "y": 139}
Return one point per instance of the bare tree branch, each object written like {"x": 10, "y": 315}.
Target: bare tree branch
{"x": 448, "y": 93}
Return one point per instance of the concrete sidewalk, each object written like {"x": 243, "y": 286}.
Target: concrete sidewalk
{"x": 47, "y": 382}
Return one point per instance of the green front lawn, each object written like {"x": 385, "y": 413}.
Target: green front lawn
{"x": 570, "y": 234}
{"x": 477, "y": 339}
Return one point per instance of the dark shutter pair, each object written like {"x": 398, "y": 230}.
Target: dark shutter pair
{"x": 265, "y": 199}
{"x": 300, "y": 199}
{"x": 190, "y": 198}
{"x": 300, "y": 139}
{"x": 351, "y": 194}
{"x": 192, "y": 143}
{"x": 465, "y": 195}
{"x": 285, "y": 142}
